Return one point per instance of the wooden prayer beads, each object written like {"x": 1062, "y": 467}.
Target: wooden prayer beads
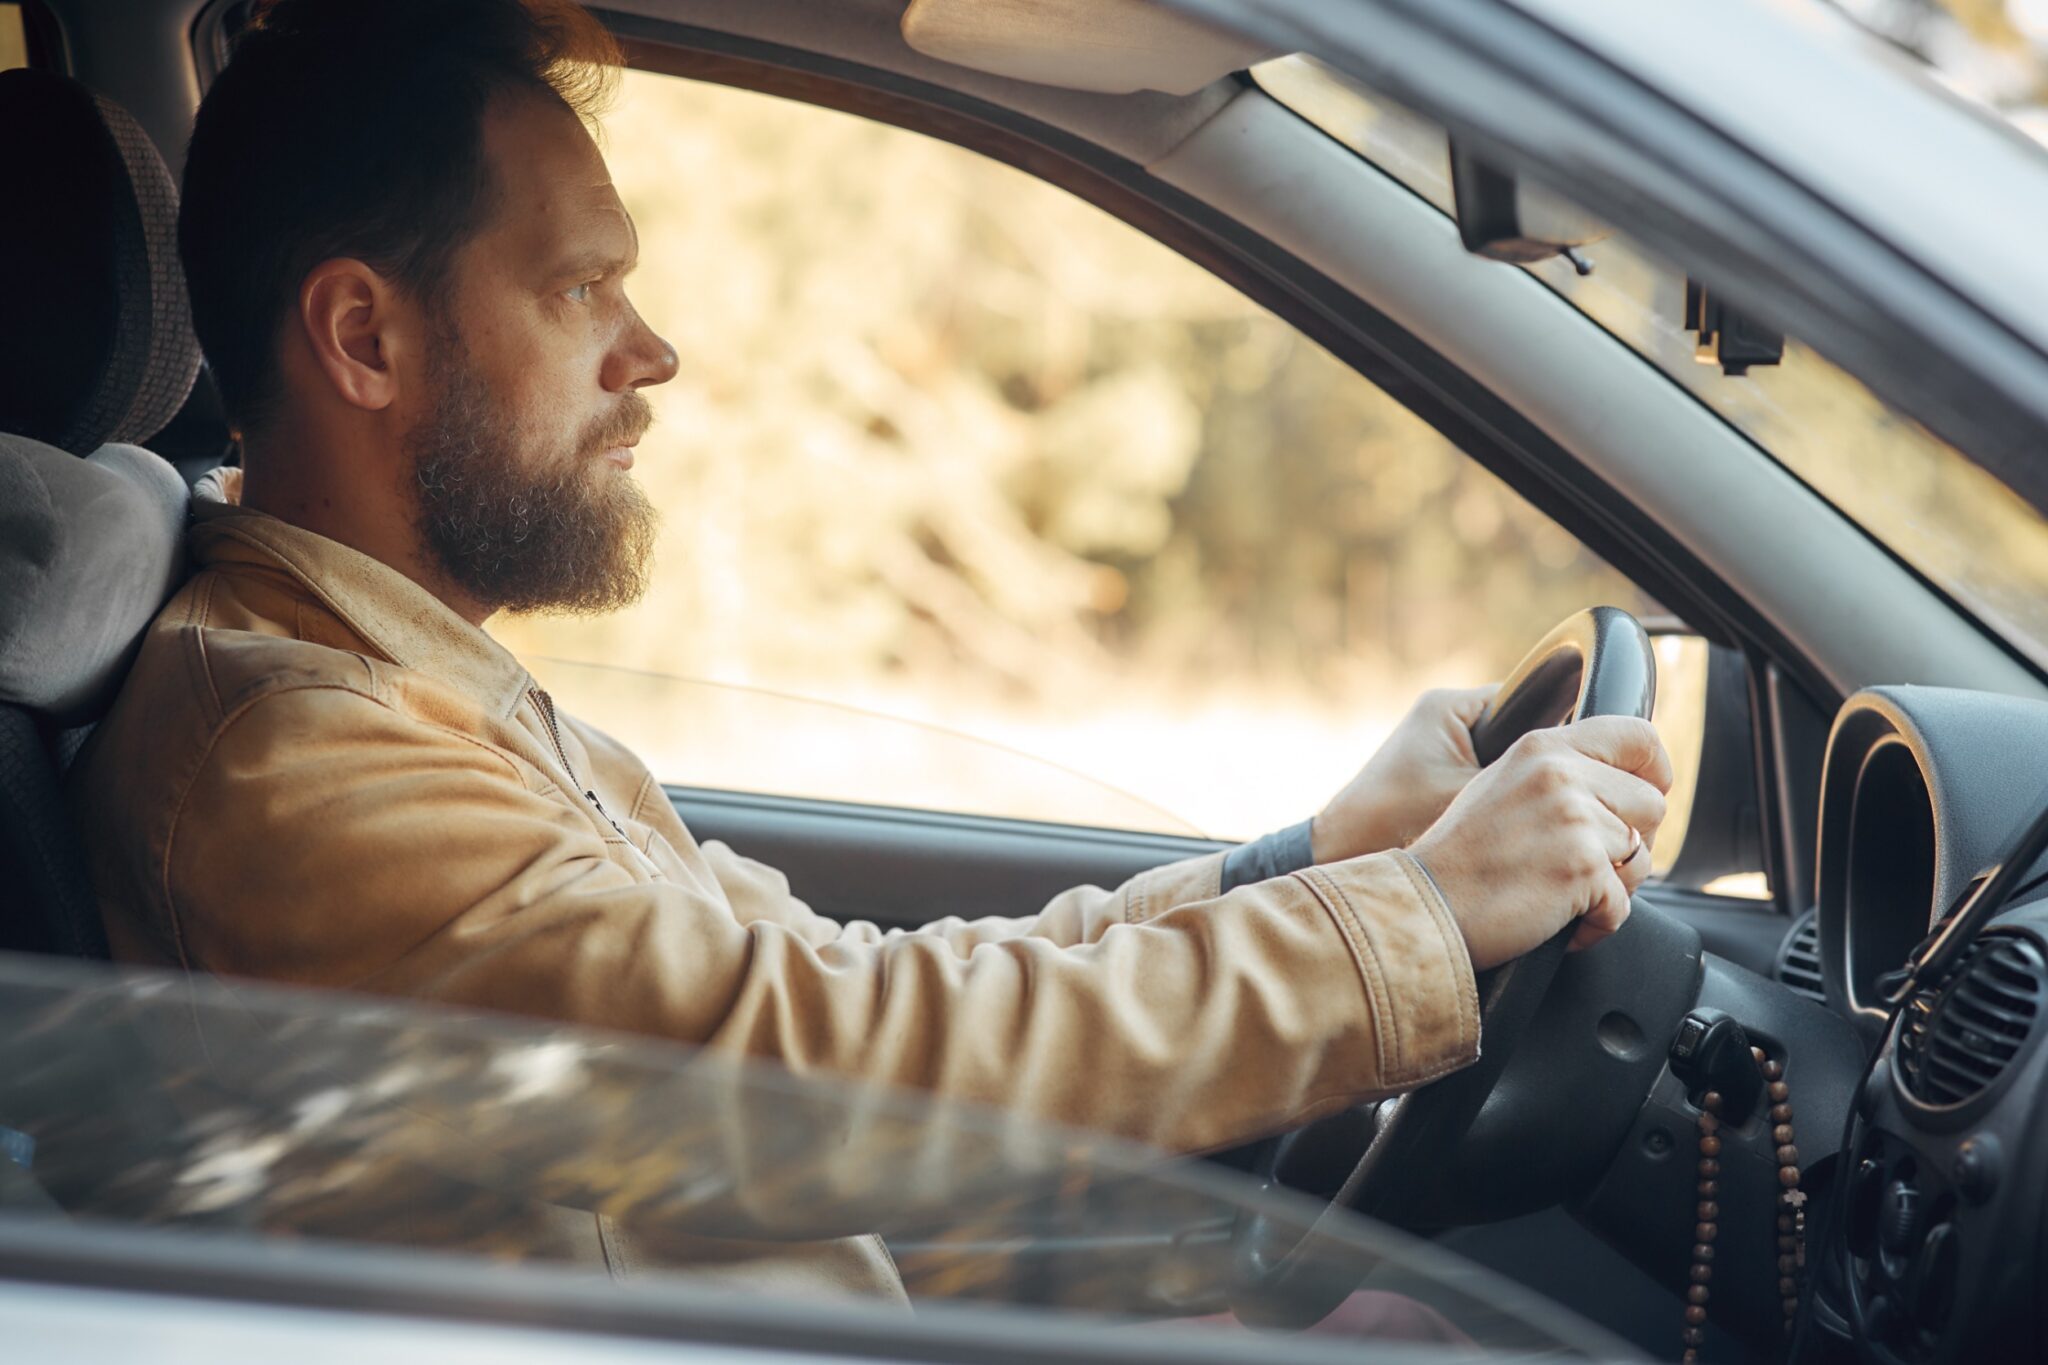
{"x": 1791, "y": 1207}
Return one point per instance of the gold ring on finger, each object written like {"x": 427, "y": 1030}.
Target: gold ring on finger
{"x": 1635, "y": 847}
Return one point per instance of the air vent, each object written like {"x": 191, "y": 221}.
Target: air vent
{"x": 1956, "y": 1044}
{"x": 1799, "y": 958}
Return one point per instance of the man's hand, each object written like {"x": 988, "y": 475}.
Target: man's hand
{"x": 1549, "y": 834}
{"x": 1400, "y": 793}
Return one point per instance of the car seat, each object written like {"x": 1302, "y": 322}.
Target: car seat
{"x": 96, "y": 352}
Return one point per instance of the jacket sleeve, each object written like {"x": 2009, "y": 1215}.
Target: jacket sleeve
{"x": 327, "y": 839}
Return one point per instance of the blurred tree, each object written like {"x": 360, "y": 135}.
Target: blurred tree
{"x": 937, "y": 417}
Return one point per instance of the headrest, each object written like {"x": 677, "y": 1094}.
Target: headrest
{"x": 97, "y": 344}
{"x": 89, "y": 549}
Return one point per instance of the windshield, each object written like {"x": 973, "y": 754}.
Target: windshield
{"x": 135, "y": 1097}
{"x": 1929, "y": 503}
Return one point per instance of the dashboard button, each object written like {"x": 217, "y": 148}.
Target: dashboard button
{"x": 1976, "y": 1167}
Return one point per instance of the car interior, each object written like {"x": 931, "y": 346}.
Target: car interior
{"x": 1870, "y": 746}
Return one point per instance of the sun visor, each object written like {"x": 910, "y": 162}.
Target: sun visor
{"x": 1110, "y": 47}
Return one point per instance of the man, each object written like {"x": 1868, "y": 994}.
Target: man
{"x": 407, "y": 268}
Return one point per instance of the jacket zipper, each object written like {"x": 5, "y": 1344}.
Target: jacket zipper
{"x": 546, "y": 705}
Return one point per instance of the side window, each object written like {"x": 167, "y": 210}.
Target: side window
{"x": 976, "y": 499}
{"x": 24, "y": 37}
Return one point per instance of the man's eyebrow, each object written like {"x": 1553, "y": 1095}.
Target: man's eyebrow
{"x": 597, "y": 265}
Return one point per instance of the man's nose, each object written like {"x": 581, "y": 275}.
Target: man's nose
{"x": 639, "y": 360}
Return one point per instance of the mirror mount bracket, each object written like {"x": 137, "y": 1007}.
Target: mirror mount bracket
{"x": 1503, "y": 218}
{"x": 1727, "y": 337}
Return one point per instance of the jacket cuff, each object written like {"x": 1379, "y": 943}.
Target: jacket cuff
{"x": 1412, "y": 960}
{"x": 1154, "y": 892}
{"x": 1274, "y": 855}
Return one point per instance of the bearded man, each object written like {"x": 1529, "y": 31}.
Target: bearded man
{"x": 407, "y": 267}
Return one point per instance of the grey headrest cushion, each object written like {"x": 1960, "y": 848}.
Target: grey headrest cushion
{"x": 98, "y": 343}
{"x": 89, "y": 549}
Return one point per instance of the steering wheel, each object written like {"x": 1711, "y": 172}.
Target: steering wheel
{"x": 1595, "y": 663}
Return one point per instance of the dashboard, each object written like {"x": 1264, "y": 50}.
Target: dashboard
{"x": 1939, "y": 1248}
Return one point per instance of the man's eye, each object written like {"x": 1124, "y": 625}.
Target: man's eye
{"x": 579, "y": 293}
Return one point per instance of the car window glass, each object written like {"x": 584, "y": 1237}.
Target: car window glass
{"x": 1929, "y": 503}
{"x": 14, "y": 37}
{"x": 175, "y": 1102}
{"x": 736, "y": 737}
{"x": 951, "y": 445}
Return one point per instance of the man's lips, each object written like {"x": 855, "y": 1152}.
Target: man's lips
{"x": 622, "y": 456}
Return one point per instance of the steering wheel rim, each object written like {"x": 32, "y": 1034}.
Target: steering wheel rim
{"x": 1596, "y": 662}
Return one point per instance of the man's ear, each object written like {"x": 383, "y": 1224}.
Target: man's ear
{"x": 355, "y": 323}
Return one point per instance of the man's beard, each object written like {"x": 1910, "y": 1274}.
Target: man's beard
{"x": 520, "y": 529}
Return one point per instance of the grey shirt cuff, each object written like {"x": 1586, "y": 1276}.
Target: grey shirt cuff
{"x": 1275, "y": 855}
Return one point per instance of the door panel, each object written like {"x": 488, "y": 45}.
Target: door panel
{"x": 905, "y": 867}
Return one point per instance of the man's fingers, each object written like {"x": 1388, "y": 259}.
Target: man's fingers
{"x": 1468, "y": 704}
{"x": 1623, "y": 742}
{"x": 1465, "y": 706}
{"x": 1634, "y": 802}
{"x": 1628, "y": 843}
{"x": 1636, "y": 870}
{"x": 1606, "y": 914}
{"x": 1621, "y": 841}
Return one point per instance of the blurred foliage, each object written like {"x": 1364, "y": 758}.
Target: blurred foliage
{"x": 947, "y": 435}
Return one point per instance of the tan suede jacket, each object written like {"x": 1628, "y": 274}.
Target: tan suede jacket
{"x": 319, "y": 774}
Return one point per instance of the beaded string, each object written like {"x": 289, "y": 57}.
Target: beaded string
{"x": 1791, "y": 1207}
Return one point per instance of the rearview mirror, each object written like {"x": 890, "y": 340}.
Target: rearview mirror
{"x": 1505, "y": 218}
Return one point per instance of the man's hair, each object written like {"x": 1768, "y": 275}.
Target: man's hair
{"x": 355, "y": 128}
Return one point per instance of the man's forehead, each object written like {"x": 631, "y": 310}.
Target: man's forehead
{"x": 550, "y": 181}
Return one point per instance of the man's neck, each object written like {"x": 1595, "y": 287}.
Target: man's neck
{"x": 363, "y": 504}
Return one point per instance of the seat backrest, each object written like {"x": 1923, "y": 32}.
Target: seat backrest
{"x": 46, "y": 901}
{"x": 97, "y": 348}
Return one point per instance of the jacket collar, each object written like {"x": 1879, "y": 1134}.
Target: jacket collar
{"x": 393, "y": 615}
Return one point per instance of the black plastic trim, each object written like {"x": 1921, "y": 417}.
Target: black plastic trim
{"x": 896, "y": 866}
{"x": 1955, "y": 1114}
{"x": 1746, "y": 932}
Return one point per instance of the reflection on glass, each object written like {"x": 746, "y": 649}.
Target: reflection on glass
{"x": 727, "y": 737}
{"x": 148, "y": 1098}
